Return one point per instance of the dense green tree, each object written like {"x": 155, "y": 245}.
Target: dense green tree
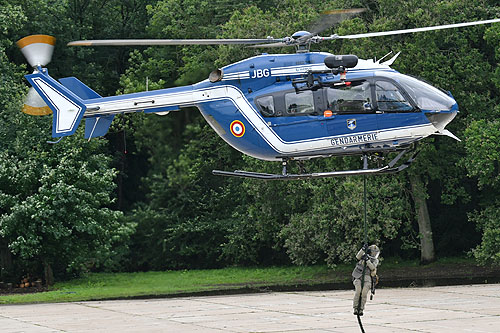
{"x": 61, "y": 218}
{"x": 482, "y": 162}
{"x": 11, "y": 92}
{"x": 55, "y": 200}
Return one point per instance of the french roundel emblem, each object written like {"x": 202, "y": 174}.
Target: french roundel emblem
{"x": 237, "y": 128}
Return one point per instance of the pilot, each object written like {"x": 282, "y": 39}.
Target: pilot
{"x": 368, "y": 255}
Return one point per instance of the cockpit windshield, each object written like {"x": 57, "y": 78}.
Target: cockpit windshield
{"x": 426, "y": 96}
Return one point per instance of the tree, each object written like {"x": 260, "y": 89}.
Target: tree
{"x": 10, "y": 94}
{"x": 482, "y": 163}
{"x": 55, "y": 200}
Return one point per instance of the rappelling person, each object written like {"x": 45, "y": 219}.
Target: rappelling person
{"x": 367, "y": 266}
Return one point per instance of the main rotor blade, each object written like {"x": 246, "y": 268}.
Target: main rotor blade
{"x": 280, "y": 44}
{"x": 137, "y": 42}
{"x": 330, "y": 18}
{"x": 407, "y": 31}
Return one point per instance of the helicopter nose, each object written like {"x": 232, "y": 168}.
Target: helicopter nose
{"x": 442, "y": 118}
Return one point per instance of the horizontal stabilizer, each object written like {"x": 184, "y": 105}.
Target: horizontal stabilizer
{"x": 79, "y": 88}
{"x": 98, "y": 126}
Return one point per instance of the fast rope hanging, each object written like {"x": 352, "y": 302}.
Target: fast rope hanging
{"x": 124, "y": 134}
{"x": 365, "y": 166}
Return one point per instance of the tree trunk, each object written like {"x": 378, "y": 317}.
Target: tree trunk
{"x": 49, "y": 274}
{"x": 427, "y": 254}
{"x": 5, "y": 261}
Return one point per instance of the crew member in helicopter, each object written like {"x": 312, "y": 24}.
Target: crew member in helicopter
{"x": 369, "y": 255}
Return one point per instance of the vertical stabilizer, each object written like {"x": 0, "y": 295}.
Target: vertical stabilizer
{"x": 67, "y": 107}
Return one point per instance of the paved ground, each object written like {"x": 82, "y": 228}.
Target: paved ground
{"x": 439, "y": 309}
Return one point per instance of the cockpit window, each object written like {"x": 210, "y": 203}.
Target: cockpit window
{"x": 301, "y": 103}
{"x": 426, "y": 96}
{"x": 390, "y": 99}
{"x": 266, "y": 106}
{"x": 350, "y": 99}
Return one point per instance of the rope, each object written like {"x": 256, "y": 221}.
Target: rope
{"x": 360, "y": 296}
{"x": 360, "y": 324}
{"x": 124, "y": 135}
{"x": 365, "y": 242}
{"x": 364, "y": 202}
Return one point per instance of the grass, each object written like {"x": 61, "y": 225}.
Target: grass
{"x": 98, "y": 286}
{"x": 119, "y": 285}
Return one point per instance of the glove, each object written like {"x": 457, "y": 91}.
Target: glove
{"x": 365, "y": 247}
{"x": 365, "y": 257}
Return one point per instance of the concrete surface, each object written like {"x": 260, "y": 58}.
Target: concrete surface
{"x": 474, "y": 308}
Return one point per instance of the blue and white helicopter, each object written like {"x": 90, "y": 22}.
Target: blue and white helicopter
{"x": 274, "y": 107}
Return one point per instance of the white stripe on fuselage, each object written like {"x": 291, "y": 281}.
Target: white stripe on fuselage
{"x": 232, "y": 93}
{"x": 363, "y": 65}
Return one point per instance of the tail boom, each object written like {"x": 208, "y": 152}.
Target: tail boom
{"x": 164, "y": 100}
{"x": 71, "y": 100}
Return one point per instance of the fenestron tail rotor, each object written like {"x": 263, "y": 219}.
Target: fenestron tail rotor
{"x": 38, "y": 50}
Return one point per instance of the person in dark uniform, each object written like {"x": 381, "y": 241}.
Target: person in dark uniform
{"x": 368, "y": 254}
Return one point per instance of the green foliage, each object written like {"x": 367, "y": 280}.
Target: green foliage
{"x": 483, "y": 151}
{"x": 55, "y": 200}
{"x": 332, "y": 227}
{"x": 188, "y": 214}
{"x": 488, "y": 222}
{"x": 149, "y": 68}
{"x": 482, "y": 160}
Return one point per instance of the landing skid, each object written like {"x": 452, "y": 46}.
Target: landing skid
{"x": 389, "y": 168}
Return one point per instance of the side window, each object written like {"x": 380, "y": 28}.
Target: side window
{"x": 266, "y": 106}
{"x": 390, "y": 99}
{"x": 350, "y": 99}
{"x": 301, "y": 103}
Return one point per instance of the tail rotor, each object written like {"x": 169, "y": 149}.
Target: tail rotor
{"x": 38, "y": 50}
{"x": 34, "y": 104}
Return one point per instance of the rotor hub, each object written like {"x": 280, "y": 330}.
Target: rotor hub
{"x": 300, "y": 34}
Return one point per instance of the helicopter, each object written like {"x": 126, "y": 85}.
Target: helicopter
{"x": 273, "y": 107}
